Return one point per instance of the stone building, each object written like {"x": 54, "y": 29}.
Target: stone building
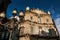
{"x": 36, "y": 24}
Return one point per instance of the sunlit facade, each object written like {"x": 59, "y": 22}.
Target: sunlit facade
{"x": 36, "y": 24}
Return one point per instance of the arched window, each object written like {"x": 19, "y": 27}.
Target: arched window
{"x": 52, "y": 32}
{"x": 40, "y": 30}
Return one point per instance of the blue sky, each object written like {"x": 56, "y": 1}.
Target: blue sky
{"x": 47, "y": 5}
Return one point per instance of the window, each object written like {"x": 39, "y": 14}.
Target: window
{"x": 38, "y": 16}
{"x": 39, "y": 19}
{"x": 44, "y": 33}
{"x": 31, "y": 17}
{"x": 21, "y": 30}
{"x": 47, "y": 20}
{"x": 40, "y": 29}
{"x": 52, "y": 32}
{"x": 22, "y": 18}
{"x": 41, "y": 39}
{"x": 33, "y": 38}
{"x": 31, "y": 30}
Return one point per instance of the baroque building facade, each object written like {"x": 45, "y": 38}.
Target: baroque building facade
{"x": 34, "y": 24}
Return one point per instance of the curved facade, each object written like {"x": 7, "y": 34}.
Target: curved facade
{"x": 32, "y": 24}
{"x": 37, "y": 24}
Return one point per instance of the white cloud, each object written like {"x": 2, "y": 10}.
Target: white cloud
{"x": 57, "y": 22}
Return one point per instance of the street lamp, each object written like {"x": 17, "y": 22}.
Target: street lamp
{"x": 14, "y": 12}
